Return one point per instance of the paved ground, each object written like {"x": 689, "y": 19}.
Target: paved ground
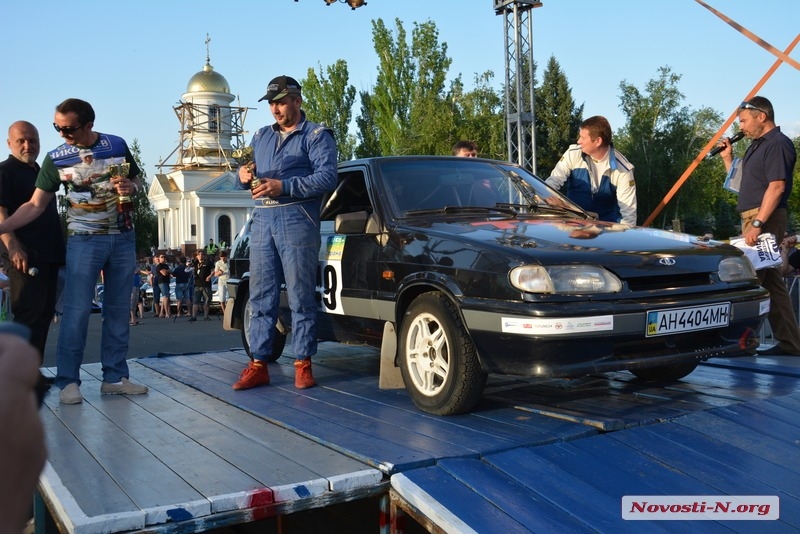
{"x": 154, "y": 335}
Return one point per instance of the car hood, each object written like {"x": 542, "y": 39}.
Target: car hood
{"x": 629, "y": 251}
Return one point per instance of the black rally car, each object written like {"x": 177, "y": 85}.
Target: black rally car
{"x": 460, "y": 267}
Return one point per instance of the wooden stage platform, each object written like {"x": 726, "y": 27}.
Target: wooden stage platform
{"x": 535, "y": 455}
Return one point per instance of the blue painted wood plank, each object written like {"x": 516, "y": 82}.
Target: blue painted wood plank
{"x": 732, "y": 435}
{"x": 438, "y": 496}
{"x": 700, "y": 463}
{"x": 503, "y": 492}
{"x": 767, "y": 420}
{"x": 781, "y": 477}
{"x": 343, "y": 431}
{"x": 565, "y": 491}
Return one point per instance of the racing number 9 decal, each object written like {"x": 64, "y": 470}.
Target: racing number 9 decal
{"x": 329, "y": 280}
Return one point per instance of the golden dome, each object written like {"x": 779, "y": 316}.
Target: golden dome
{"x": 208, "y": 81}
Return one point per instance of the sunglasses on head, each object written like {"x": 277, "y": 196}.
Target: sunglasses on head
{"x": 748, "y": 105}
{"x": 67, "y": 130}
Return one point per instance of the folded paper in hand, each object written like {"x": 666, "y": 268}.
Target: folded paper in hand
{"x": 764, "y": 254}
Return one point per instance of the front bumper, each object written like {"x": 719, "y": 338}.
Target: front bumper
{"x": 620, "y": 345}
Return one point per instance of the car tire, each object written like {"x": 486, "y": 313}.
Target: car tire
{"x": 278, "y": 340}
{"x": 438, "y": 360}
{"x": 665, "y": 373}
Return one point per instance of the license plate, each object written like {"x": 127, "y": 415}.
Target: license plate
{"x": 661, "y": 322}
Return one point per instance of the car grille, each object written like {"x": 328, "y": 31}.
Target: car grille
{"x": 653, "y": 283}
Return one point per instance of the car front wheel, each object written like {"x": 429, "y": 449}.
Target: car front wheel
{"x": 278, "y": 339}
{"x": 439, "y": 363}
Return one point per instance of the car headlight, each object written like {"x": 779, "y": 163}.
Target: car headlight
{"x": 736, "y": 269}
{"x": 564, "y": 279}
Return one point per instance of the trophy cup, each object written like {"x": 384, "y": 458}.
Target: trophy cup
{"x": 124, "y": 202}
{"x": 244, "y": 157}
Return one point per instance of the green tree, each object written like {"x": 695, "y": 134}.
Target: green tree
{"x": 368, "y": 133}
{"x": 479, "y": 116}
{"x": 661, "y": 138}
{"x": 557, "y": 118}
{"x": 329, "y": 100}
{"x": 390, "y": 103}
{"x": 144, "y": 216}
{"x": 431, "y": 114}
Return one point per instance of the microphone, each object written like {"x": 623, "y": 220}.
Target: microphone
{"x": 737, "y": 136}
{"x": 33, "y": 271}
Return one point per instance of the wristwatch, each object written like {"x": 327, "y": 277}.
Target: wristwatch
{"x": 757, "y": 223}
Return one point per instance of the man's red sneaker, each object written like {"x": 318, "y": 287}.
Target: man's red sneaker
{"x": 302, "y": 374}
{"x": 255, "y": 374}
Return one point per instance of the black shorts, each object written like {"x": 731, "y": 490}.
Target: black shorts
{"x": 202, "y": 294}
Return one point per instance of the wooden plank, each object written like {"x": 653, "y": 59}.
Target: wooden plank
{"x": 441, "y": 436}
{"x": 449, "y": 504}
{"x": 200, "y": 451}
{"x": 782, "y": 477}
{"x": 700, "y": 463}
{"x": 731, "y": 434}
{"x": 84, "y": 497}
{"x": 768, "y": 422}
{"x": 338, "y": 429}
{"x": 318, "y": 459}
{"x": 526, "y": 507}
{"x": 570, "y": 493}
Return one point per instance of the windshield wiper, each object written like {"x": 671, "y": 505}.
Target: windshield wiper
{"x": 506, "y": 210}
{"x": 538, "y": 207}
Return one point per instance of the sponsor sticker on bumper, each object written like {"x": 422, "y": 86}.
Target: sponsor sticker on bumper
{"x": 559, "y": 326}
{"x": 677, "y": 320}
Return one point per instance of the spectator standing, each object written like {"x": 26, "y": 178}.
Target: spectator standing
{"x": 163, "y": 277}
{"x": 597, "y": 176}
{"x": 136, "y": 301}
{"x": 295, "y": 164}
{"x": 767, "y": 167}
{"x": 37, "y": 247}
{"x": 203, "y": 271}
{"x": 100, "y": 239}
{"x": 222, "y": 271}
{"x": 181, "y": 273}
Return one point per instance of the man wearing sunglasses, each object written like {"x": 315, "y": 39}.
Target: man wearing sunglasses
{"x": 767, "y": 168}
{"x": 100, "y": 238}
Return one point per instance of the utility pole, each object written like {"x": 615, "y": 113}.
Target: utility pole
{"x": 520, "y": 117}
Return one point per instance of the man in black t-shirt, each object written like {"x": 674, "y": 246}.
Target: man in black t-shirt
{"x": 203, "y": 271}
{"x": 33, "y": 253}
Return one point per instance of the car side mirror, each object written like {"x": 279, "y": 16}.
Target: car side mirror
{"x": 351, "y": 223}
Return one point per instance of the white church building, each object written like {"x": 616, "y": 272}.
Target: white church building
{"x": 197, "y": 199}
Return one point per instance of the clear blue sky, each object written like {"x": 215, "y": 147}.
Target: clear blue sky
{"x": 132, "y": 60}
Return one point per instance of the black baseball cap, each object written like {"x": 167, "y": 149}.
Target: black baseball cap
{"x": 280, "y": 87}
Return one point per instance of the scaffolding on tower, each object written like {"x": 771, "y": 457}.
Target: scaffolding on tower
{"x": 519, "y": 102}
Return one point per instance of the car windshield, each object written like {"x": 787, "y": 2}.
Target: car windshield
{"x": 417, "y": 187}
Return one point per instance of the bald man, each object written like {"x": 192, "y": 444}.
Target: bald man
{"x": 32, "y": 254}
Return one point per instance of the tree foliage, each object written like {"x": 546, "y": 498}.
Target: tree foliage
{"x": 328, "y": 99}
{"x": 412, "y": 109}
{"x": 661, "y": 138}
{"x": 557, "y": 118}
{"x": 144, "y": 216}
{"x": 478, "y": 116}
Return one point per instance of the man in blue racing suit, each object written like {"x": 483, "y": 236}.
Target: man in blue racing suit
{"x": 294, "y": 164}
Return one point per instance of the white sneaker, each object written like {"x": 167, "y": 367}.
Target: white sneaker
{"x": 71, "y": 394}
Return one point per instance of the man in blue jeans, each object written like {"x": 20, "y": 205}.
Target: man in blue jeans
{"x": 294, "y": 165}
{"x": 100, "y": 238}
